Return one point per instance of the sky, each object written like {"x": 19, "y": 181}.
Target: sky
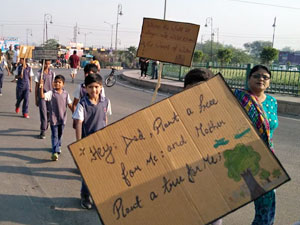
{"x": 234, "y": 22}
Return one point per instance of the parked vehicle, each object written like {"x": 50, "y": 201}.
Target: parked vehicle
{"x": 85, "y": 59}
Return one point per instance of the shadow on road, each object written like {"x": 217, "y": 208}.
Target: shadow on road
{"x": 31, "y": 210}
{"x": 49, "y": 172}
{"x": 16, "y": 132}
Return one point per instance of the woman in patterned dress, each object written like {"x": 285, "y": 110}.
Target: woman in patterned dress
{"x": 262, "y": 110}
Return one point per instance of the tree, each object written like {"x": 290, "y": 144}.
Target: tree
{"x": 198, "y": 56}
{"x": 256, "y": 47}
{"x": 51, "y": 44}
{"x": 240, "y": 56}
{"x": 264, "y": 175}
{"x": 268, "y": 55}
{"x": 276, "y": 173}
{"x": 243, "y": 162}
{"x": 206, "y": 49}
{"x": 224, "y": 55}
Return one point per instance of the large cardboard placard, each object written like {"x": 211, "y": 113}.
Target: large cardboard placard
{"x": 40, "y": 53}
{"x": 188, "y": 159}
{"x": 168, "y": 41}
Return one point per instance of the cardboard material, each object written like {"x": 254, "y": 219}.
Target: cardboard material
{"x": 189, "y": 159}
{"x": 168, "y": 41}
{"x": 26, "y": 51}
{"x": 40, "y": 53}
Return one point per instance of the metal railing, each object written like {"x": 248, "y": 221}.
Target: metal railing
{"x": 282, "y": 81}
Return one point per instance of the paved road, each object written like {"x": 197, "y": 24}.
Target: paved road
{"x": 35, "y": 190}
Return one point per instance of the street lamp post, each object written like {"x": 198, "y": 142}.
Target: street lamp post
{"x": 28, "y": 32}
{"x": 47, "y": 17}
{"x": 209, "y": 20}
{"x": 111, "y": 36}
{"x": 117, "y": 25}
{"x": 274, "y": 25}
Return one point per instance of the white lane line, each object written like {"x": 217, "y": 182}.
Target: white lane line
{"x": 289, "y": 118}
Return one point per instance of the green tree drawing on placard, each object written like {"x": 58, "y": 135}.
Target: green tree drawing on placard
{"x": 264, "y": 175}
{"x": 242, "y": 162}
{"x": 276, "y": 173}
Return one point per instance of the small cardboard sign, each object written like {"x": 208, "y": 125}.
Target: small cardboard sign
{"x": 168, "y": 41}
{"x": 26, "y": 51}
{"x": 40, "y": 53}
{"x": 189, "y": 159}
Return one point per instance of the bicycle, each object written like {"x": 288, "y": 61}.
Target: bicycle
{"x": 111, "y": 79}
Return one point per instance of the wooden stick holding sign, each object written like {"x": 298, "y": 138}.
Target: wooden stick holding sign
{"x": 167, "y": 41}
{"x": 158, "y": 83}
{"x": 42, "y": 72}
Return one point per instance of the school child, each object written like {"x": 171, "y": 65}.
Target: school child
{"x": 58, "y": 99}
{"x": 90, "y": 116}
{"x": 80, "y": 91}
{"x": 48, "y": 78}
{"x": 24, "y": 86}
{"x": 3, "y": 64}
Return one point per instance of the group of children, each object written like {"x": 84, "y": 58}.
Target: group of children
{"x": 90, "y": 107}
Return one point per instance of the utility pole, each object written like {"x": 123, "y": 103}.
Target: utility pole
{"x": 274, "y": 25}
{"x": 47, "y": 17}
{"x": 210, "y": 20}
{"x": 28, "y": 32}
{"x": 117, "y": 25}
{"x": 76, "y": 32}
{"x": 165, "y": 9}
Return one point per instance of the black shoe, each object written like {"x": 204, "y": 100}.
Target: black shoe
{"x": 42, "y": 135}
{"x": 86, "y": 202}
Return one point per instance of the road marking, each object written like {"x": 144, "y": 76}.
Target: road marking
{"x": 289, "y": 118}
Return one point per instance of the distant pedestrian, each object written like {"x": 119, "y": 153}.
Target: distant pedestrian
{"x": 154, "y": 71}
{"x": 15, "y": 63}
{"x": 3, "y": 65}
{"x": 24, "y": 86}
{"x": 15, "y": 60}
{"x": 144, "y": 66}
{"x": 74, "y": 63}
{"x": 9, "y": 54}
{"x": 90, "y": 116}
{"x": 44, "y": 107}
{"x": 59, "y": 100}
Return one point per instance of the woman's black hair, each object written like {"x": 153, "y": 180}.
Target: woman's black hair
{"x": 92, "y": 78}
{"x": 258, "y": 67}
{"x": 60, "y": 77}
{"x": 197, "y": 75}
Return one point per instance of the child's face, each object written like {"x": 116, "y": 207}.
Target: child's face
{"x": 94, "y": 89}
{"x": 58, "y": 84}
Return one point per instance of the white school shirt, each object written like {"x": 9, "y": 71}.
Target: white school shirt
{"x": 79, "y": 114}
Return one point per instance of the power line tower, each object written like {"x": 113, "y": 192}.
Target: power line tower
{"x": 76, "y": 32}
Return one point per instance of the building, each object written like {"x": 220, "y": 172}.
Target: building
{"x": 292, "y": 58}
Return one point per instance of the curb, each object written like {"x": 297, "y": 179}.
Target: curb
{"x": 152, "y": 84}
